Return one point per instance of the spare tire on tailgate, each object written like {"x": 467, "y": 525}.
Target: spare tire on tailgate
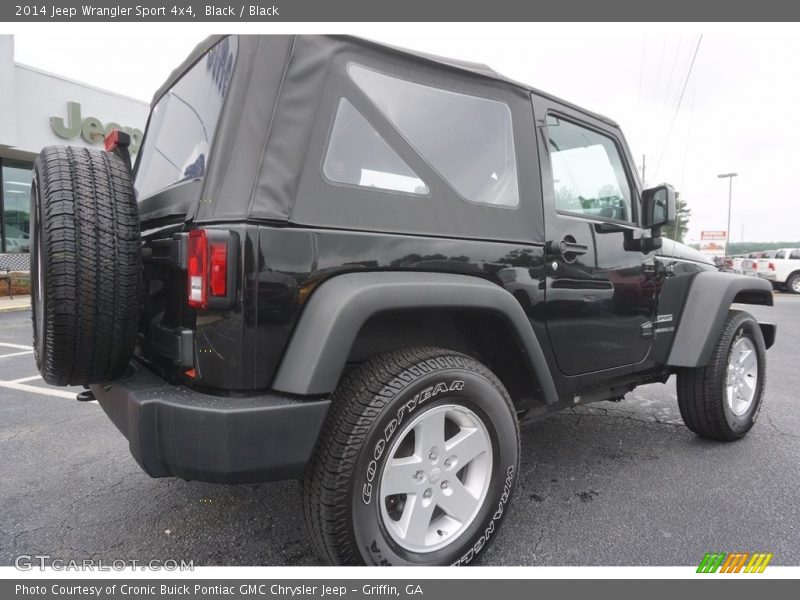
{"x": 85, "y": 265}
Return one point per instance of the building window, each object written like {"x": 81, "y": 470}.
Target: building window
{"x": 16, "y": 206}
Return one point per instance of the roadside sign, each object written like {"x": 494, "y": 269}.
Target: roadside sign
{"x": 713, "y": 243}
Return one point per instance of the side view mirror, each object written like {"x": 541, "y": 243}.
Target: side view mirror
{"x": 658, "y": 208}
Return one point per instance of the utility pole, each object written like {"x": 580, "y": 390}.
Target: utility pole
{"x": 730, "y": 177}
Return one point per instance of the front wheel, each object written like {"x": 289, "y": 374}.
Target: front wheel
{"x": 416, "y": 463}
{"x": 721, "y": 401}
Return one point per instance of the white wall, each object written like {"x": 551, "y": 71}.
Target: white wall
{"x": 30, "y": 97}
{"x": 8, "y": 108}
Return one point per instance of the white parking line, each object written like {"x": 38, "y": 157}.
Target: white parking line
{"x": 26, "y": 379}
{"x": 33, "y": 389}
{"x": 17, "y": 346}
{"x": 16, "y": 354}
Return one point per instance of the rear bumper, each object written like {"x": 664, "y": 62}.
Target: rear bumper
{"x": 173, "y": 430}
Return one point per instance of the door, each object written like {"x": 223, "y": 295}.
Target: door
{"x": 599, "y": 291}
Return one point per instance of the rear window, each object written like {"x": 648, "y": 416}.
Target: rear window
{"x": 182, "y": 124}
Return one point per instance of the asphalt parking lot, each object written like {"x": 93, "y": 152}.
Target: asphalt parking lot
{"x": 608, "y": 484}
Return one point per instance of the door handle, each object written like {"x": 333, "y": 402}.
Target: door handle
{"x": 568, "y": 248}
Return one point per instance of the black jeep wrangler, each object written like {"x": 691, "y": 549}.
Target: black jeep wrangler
{"x": 363, "y": 267}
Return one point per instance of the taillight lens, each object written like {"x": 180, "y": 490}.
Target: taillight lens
{"x": 219, "y": 269}
{"x": 771, "y": 266}
{"x": 197, "y": 268}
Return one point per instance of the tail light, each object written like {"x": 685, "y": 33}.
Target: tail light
{"x": 210, "y": 268}
{"x": 771, "y": 266}
{"x": 755, "y": 265}
{"x": 197, "y": 268}
{"x": 218, "y": 268}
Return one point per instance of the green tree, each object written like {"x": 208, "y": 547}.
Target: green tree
{"x": 678, "y": 229}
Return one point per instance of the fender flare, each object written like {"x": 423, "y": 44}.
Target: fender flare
{"x": 335, "y": 313}
{"x": 706, "y": 307}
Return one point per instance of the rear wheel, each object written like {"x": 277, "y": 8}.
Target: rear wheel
{"x": 722, "y": 400}
{"x": 416, "y": 463}
{"x": 85, "y": 265}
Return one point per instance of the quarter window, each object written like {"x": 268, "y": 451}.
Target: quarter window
{"x": 468, "y": 140}
{"x": 588, "y": 173}
{"x": 358, "y": 155}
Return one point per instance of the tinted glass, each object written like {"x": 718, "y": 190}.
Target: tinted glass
{"x": 468, "y": 140}
{"x": 182, "y": 125}
{"x": 660, "y": 207}
{"x": 588, "y": 173}
{"x": 358, "y": 155}
{"x": 795, "y": 255}
{"x": 16, "y": 207}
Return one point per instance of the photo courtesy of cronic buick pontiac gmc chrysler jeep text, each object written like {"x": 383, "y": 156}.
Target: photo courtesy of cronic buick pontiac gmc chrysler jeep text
{"x": 363, "y": 267}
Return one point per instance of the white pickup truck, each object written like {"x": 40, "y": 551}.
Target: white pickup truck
{"x": 782, "y": 268}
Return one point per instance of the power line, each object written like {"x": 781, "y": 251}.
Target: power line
{"x": 641, "y": 77}
{"x": 660, "y": 64}
{"x": 672, "y": 70}
{"x": 688, "y": 139}
{"x": 678, "y": 106}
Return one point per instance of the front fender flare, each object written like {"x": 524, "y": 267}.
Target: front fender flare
{"x": 337, "y": 310}
{"x": 706, "y": 307}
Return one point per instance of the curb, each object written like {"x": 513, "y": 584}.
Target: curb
{"x": 5, "y": 309}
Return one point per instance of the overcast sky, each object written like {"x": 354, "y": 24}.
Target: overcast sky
{"x": 740, "y": 111}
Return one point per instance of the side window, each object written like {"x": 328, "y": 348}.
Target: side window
{"x": 795, "y": 255}
{"x": 588, "y": 173}
{"x": 467, "y": 139}
{"x": 358, "y": 155}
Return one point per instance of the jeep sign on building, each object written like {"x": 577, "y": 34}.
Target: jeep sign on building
{"x": 39, "y": 109}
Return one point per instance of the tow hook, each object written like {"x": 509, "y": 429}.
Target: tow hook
{"x": 85, "y": 396}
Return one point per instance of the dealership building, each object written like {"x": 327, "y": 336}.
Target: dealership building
{"x": 39, "y": 109}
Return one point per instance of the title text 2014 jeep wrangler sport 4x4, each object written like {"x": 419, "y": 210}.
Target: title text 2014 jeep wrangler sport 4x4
{"x": 362, "y": 266}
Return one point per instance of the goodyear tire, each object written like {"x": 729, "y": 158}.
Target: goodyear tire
{"x": 416, "y": 463}
{"x": 85, "y": 265}
{"x": 721, "y": 401}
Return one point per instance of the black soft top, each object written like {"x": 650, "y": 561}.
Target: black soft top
{"x": 453, "y": 63}
{"x": 265, "y": 160}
